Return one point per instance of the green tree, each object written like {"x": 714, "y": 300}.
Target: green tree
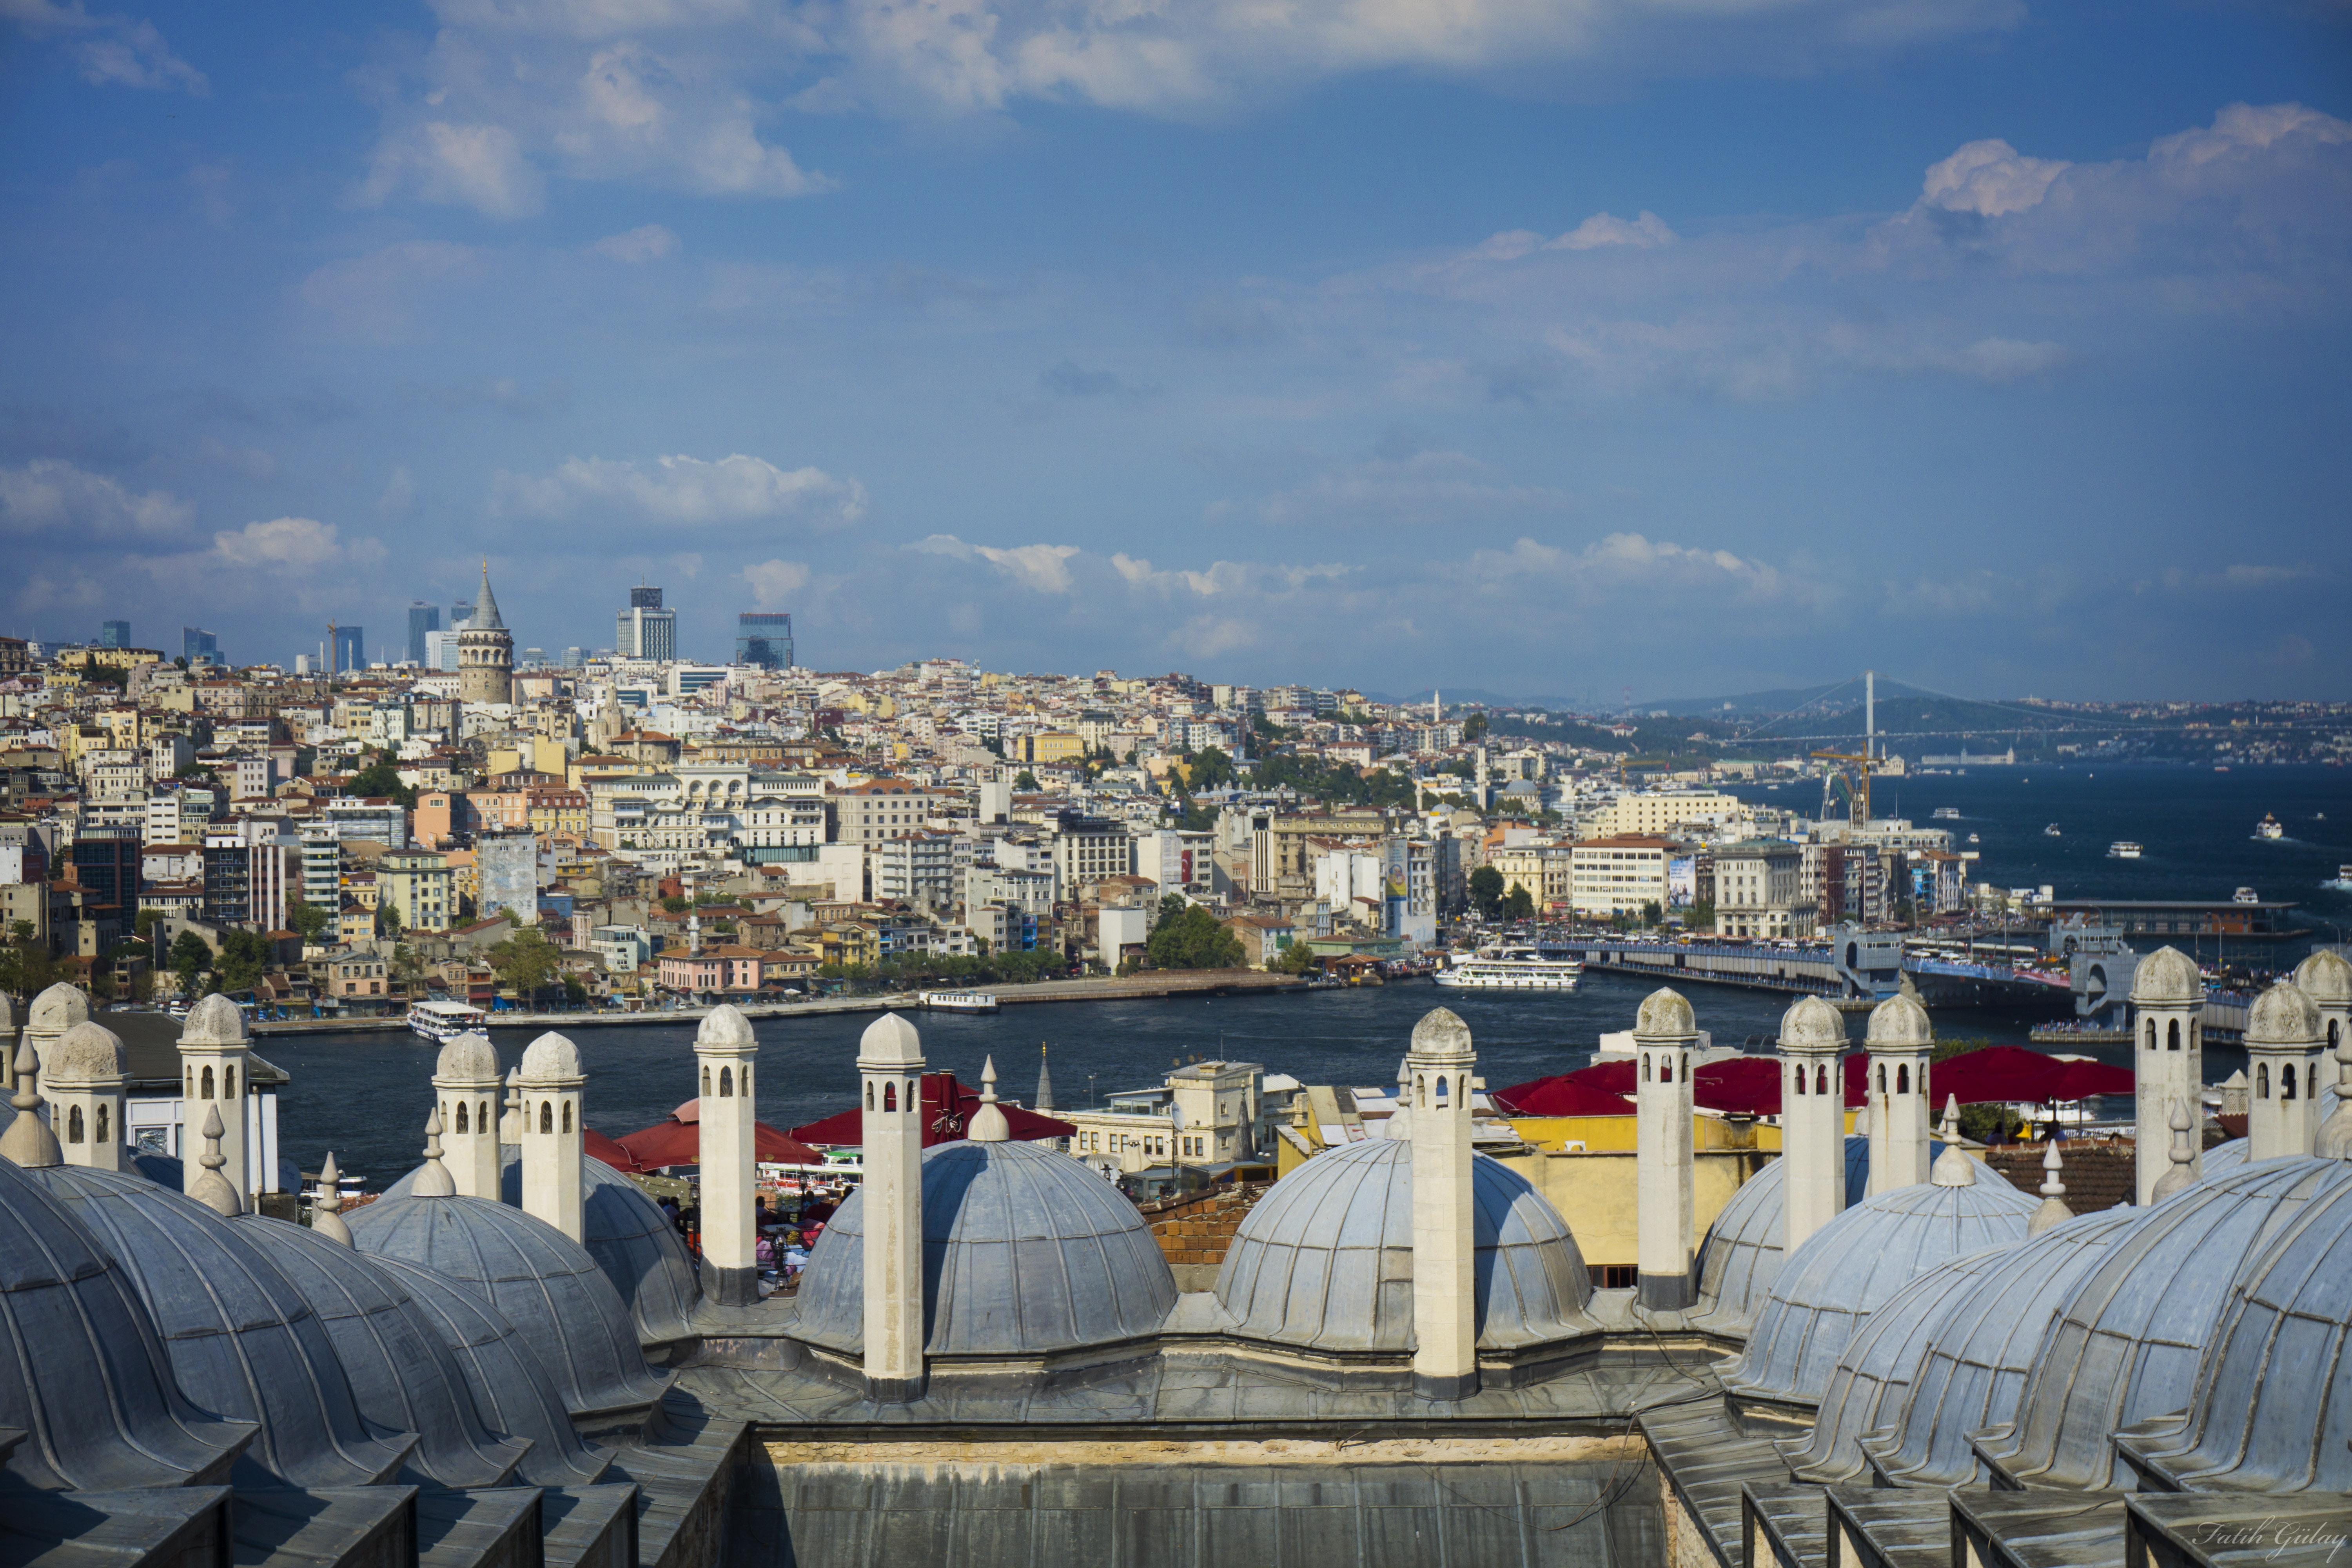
{"x": 387, "y": 921}
{"x": 1650, "y": 913}
{"x": 381, "y": 777}
{"x": 25, "y": 967}
{"x": 243, "y": 956}
{"x": 1486, "y": 893}
{"x": 145, "y": 925}
{"x": 1474, "y": 728}
{"x": 407, "y": 969}
{"x": 190, "y": 958}
{"x": 1188, "y": 937}
{"x": 676, "y": 905}
{"x": 526, "y": 960}
{"x": 1026, "y": 780}
{"x": 308, "y": 921}
{"x": 1295, "y": 959}
{"x": 1519, "y": 906}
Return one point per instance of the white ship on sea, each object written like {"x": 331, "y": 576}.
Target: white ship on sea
{"x": 438, "y": 1021}
{"x": 2123, "y": 850}
{"x": 2342, "y": 881}
{"x": 2270, "y": 827}
{"x": 1945, "y": 814}
{"x": 959, "y": 1002}
{"x": 1511, "y": 969}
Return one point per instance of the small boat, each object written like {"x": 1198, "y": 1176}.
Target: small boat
{"x": 2342, "y": 881}
{"x": 2050, "y": 831}
{"x": 2269, "y": 827}
{"x": 1945, "y": 814}
{"x": 1972, "y": 838}
{"x": 438, "y": 1021}
{"x": 2246, "y": 896}
{"x": 959, "y": 1001}
{"x": 2220, "y": 767}
{"x": 2123, "y": 850}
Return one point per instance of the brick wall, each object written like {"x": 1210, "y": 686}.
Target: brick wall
{"x": 1198, "y": 1228}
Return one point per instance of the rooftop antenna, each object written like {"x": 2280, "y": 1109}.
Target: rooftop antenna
{"x": 1869, "y": 713}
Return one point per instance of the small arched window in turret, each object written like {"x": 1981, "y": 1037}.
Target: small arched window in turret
{"x": 73, "y": 1125}
{"x": 105, "y": 1119}
{"x": 547, "y": 1116}
{"x": 890, "y": 1095}
{"x": 869, "y": 1097}
{"x": 462, "y": 1109}
{"x": 706, "y": 1080}
{"x": 747, "y": 1080}
{"x": 482, "y": 1115}
{"x": 1881, "y": 1077}
{"x": 1665, "y": 1067}
{"x": 2262, "y": 1080}
{"x": 726, "y": 1083}
{"x": 191, "y": 1091}
{"x": 208, "y": 1083}
{"x": 2286, "y": 1081}
{"x": 1902, "y": 1078}
{"x": 1440, "y": 1086}
{"x": 1800, "y": 1078}
{"x": 567, "y": 1116}
{"x": 1822, "y": 1078}
{"x": 2172, "y": 1035}
{"x": 1645, "y": 1067}
{"x": 2151, "y": 1033}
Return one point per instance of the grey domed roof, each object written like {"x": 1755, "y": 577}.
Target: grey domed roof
{"x": 1847, "y": 1268}
{"x": 2125, "y": 1344}
{"x": 88, "y": 1379}
{"x": 1813, "y": 1023}
{"x": 242, "y": 1339}
{"x": 2231, "y": 1155}
{"x": 1666, "y": 1010}
{"x": 1325, "y": 1257}
{"x": 2272, "y": 1409}
{"x": 215, "y": 1021}
{"x": 1874, "y": 1370}
{"x": 2284, "y": 1016}
{"x": 1900, "y": 1021}
{"x": 87, "y": 1053}
{"x": 2167, "y": 978}
{"x": 541, "y": 1281}
{"x": 1969, "y": 1363}
{"x": 551, "y": 1056}
{"x": 511, "y": 1388}
{"x": 631, "y": 1240}
{"x": 2326, "y": 977}
{"x": 1740, "y": 1256}
{"x": 403, "y": 1377}
{"x": 467, "y": 1055}
{"x": 1024, "y": 1251}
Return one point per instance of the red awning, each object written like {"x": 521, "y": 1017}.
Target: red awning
{"x": 1999, "y": 1073}
{"x": 948, "y": 1107}
{"x": 1739, "y": 1086}
{"x": 604, "y": 1149}
{"x": 675, "y": 1143}
{"x": 1562, "y": 1095}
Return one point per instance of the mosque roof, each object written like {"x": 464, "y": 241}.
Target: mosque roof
{"x": 91, "y": 1383}
{"x": 1900, "y": 1022}
{"x": 1025, "y": 1251}
{"x": 2282, "y": 1014}
{"x": 87, "y": 1052}
{"x": 2167, "y": 978}
{"x": 1325, "y": 1259}
{"x": 2326, "y": 977}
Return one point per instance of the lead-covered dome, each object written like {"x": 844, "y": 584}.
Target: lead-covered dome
{"x": 551, "y": 1057}
{"x": 402, "y": 1376}
{"x": 89, "y": 1053}
{"x": 1851, "y": 1265}
{"x": 540, "y": 1280}
{"x": 2284, "y": 1016}
{"x": 1900, "y": 1022}
{"x": 1813, "y": 1024}
{"x": 88, "y": 1378}
{"x": 242, "y": 1339}
{"x": 2167, "y": 978}
{"x": 2326, "y": 977}
{"x": 1666, "y": 1010}
{"x": 467, "y": 1056}
{"x": 2125, "y": 1344}
{"x": 1025, "y": 1252}
{"x": 1325, "y": 1260}
{"x": 2272, "y": 1409}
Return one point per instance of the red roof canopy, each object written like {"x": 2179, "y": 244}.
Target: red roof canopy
{"x": 604, "y": 1149}
{"x": 948, "y": 1107}
{"x": 1562, "y": 1095}
{"x": 676, "y": 1143}
{"x": 1750, "y": 1086}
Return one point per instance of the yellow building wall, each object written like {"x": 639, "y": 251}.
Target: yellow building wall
{"x": 1595, "y": 1192}
{"x": 1615, "y": 1134}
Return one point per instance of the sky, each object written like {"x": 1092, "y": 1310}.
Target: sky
{"x": 1608, "y": 350}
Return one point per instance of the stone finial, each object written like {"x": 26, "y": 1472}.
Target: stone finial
{"x": 28, "y": 1141}
{"x": 327, "y": 1213}
{"x": 2184, "y": 1156}
{"x": 1663, "y": 1011}
{"x": 433, "y": 1178}
{"x": 1044, "y": 1102}
{"x": 2054, "y": 1209}
{"x": 725, "y": 1027}
{"x": 889, "y": 1041}
{"x": 987, "y": 1123}
{"x": 509, "y": 1111}
{"x": 212, "y": 1189}
{"x": 216, "y": 1022}
{"x": 1953, "y": 1168}
{"x": 57, "y": 1009}
{"x": 1441, "y": 1034}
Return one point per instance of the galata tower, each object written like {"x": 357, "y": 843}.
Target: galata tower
{"x": 485, "y": 652}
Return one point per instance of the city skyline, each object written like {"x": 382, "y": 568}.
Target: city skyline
{"x": 1561, "y": 352}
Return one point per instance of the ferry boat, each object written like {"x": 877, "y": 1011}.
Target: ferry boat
{"x": 2050, "y": 831}
{"x": 2123, "y": 850}
{"x": 2342, "y": 881}
{"x": 959, "y": 1001}
{"x": 1945, "y": 814}
{"x": 1972, "y": 838}
{"x": 2270, "y": 827}
{"x": 437, "y": 1021}
{"x": 1511, "y": 969}
{"x": 2246, "y": 896}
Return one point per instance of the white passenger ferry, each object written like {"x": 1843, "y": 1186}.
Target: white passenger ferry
{"x": 1511, "y": 969}
{"x": 960, "y": 1001}
{"x": 2123, "y": 850}
{"x": 437, "y": 1021}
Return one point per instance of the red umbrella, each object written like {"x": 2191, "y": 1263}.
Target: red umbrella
{"x": 1562, "y": 1095}
{"x": 948, "y": 1107}
{"x": 675, "y": 1143}
{"x": 604, "y": 1149}
{"x": 1737, "y": 1086}
{"x": 2002, "y": 1073}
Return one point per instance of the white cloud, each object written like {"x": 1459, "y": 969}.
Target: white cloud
{"x": 1043, "y": 568}
{"x": 480, "y": 166}
{"x": 651, "y": 242}
{"x": 2244, "y": 127}
{"x": 774, "y": 583}
{"x": 381, "y": 296}
{"x": 687, "y": 491}
{"x": 292, "y": 544}
{"x": 1990, "y": 179}
{"x": 1621, "y": 560}
{"x": 115, "y": 51}
{"x": 58, "y": 503}
{"x": 1647, "y": 232}
{"x": 1223, "y": 577}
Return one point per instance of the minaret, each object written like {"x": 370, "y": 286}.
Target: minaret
{"x": 211, "y": 1188}
{"x": 467, "y": 1088}
{"x": 1812, "y": 1120}
{"x": 1900, "y": 1041}
{"x": 1953, "y": 1168}
{"x": 724, "y": 1049}
{"x": 890, "y": 1072}
{"x": 2180, "y": 1166}
{"x": 26, "y": 1139}
{"x": 1665, "y": 1044}
{"x": 2168, "y": 1005}
{"x": 2326, "y": 979}
{"x": 2054, "y": 1209}
{"x": 1445, "y": 1232}
{"x": 485, "y": 652}
{"x": 327, "y": 1209}
{"x": 2283, "y": 1034}
{"x": 213, "y": 1061}
{"x": 85, "y": 1085}
{"x": 1045, "y": 1081}
{"x": 54, "y": 1011}
{"x": 548, "y": 1085}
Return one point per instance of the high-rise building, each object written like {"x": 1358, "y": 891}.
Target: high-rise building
{"x": 644, "y": 630}
{"x": 106, "y": 863}
{"x": 350, "y": 651}
{"x": 484, "y": 651}
{"x": 422, "y": 618}
{"x": 114, "y": 633}
{"x": 765, "y": 640}
{"x": 199, "y": 646}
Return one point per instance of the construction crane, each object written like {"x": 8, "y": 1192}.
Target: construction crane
{"x": 1857, "y": 783}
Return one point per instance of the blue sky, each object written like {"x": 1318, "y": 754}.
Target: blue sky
{"x": 1544, "y": 348}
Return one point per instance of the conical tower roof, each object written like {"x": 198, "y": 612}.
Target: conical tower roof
{"x": 486, "y": 607}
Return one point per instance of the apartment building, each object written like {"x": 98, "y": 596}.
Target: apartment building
{"x": 1759, "y": 891}
{"x": 1618, "y": 875}
{"x": 882, "y": 809}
